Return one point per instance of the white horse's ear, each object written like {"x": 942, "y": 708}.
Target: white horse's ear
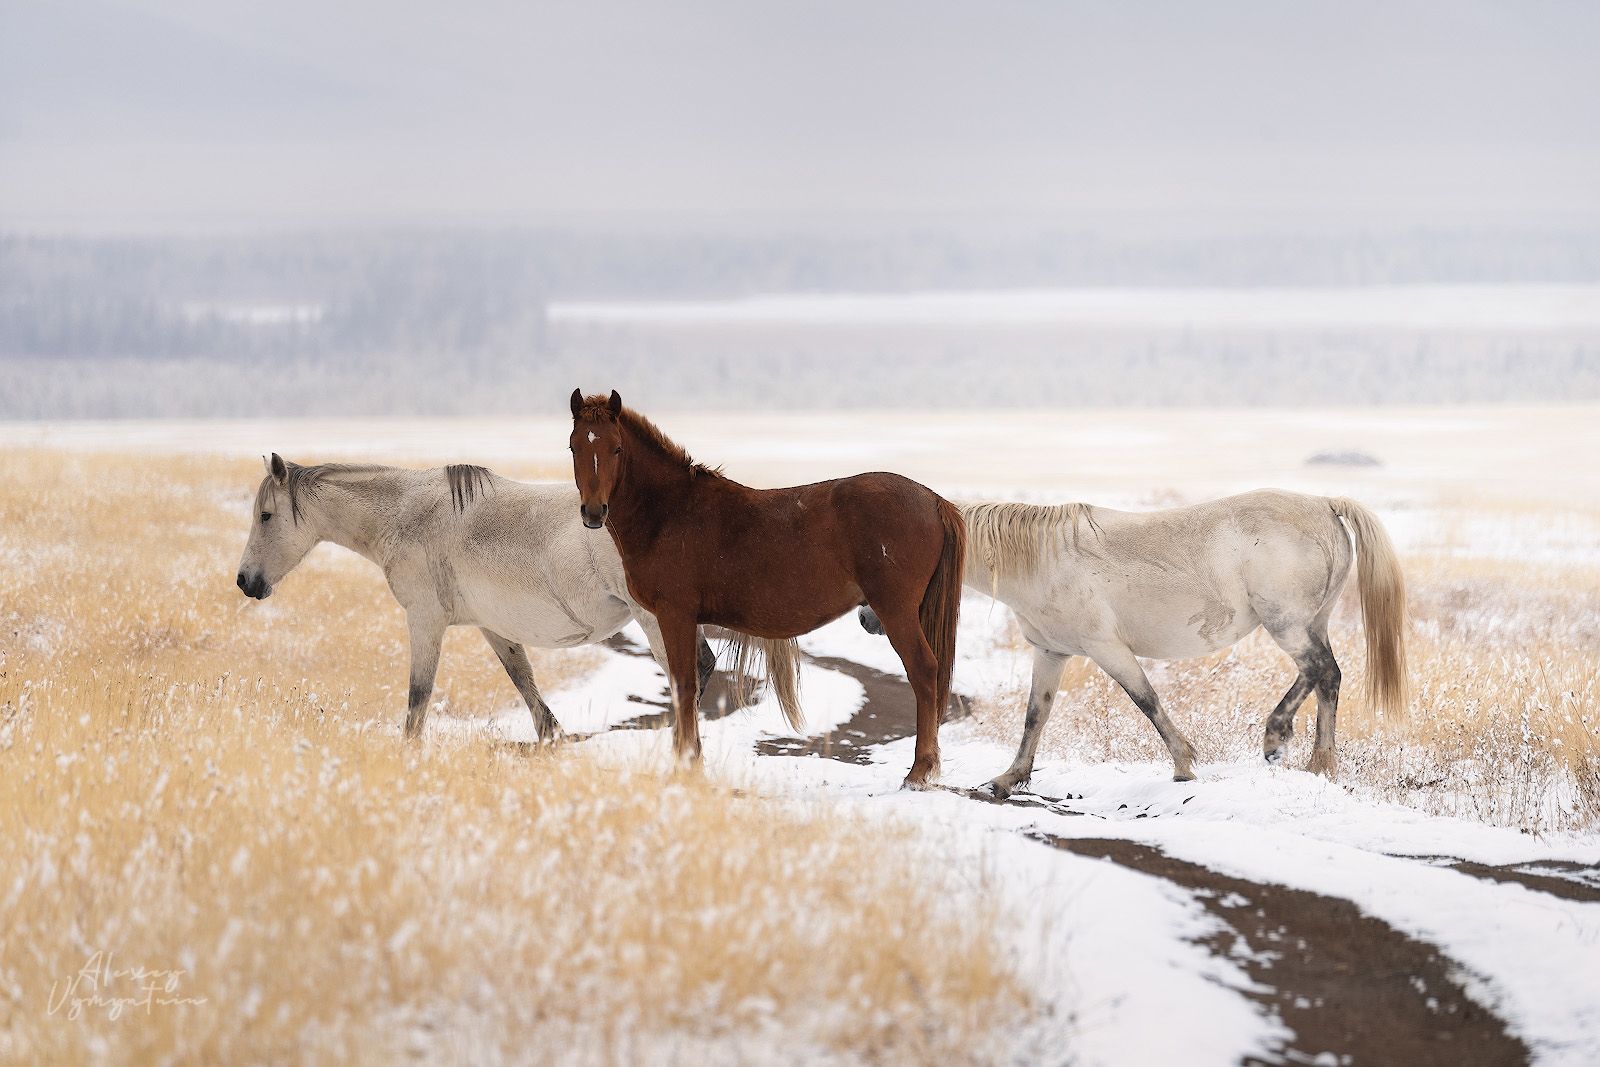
{"x": 266, "y": 464}
{"x": 277, "y": 468}
{"x": 616, "y": 403}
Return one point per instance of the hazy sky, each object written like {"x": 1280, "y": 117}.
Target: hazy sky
{"x": 117, "y": 113}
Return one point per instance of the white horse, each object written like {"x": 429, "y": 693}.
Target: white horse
{"x": 460, "y": 546}
{"x": 1184, "y": 582}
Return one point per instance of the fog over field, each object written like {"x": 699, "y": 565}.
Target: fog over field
{"x": 241, "y": 209}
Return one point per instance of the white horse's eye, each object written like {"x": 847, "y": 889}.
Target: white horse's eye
{"x": 265, "y": 515}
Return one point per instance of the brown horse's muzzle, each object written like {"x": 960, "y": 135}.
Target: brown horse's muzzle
{"x": 594, "y": 518}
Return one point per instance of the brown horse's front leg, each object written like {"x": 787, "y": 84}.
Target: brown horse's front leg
{"x": 682, "y": 640}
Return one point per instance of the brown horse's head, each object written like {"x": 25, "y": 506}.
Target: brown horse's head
{"x": 596, "y": 453}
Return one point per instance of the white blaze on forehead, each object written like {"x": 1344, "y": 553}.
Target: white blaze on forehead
{"x": 597, "y": 463}
{"x": 591, "y": 437}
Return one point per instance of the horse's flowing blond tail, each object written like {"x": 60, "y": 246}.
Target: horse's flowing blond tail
{"x": 1383, "y": 607}
{"x": 941, "y": 601}
{"x": 780, "y": 659}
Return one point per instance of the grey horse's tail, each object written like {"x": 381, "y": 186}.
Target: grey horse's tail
{"x": 1383, "y": 607}
{"x": 781, "y": 661}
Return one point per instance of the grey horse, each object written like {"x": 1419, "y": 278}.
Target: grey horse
{"x": 459, "y": 546}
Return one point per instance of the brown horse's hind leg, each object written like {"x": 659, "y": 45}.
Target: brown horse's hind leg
{"x": 904, "y": 630}
{"x": 682, "y": 640}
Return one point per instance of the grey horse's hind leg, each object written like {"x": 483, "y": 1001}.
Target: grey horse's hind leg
{"x": 1119, "y": 662}
{"x": 1047, "y": 668}
{"x": 705, "y": 655}
{"x": 1319, "y": 671}
{"x": 706, "y": 658}
{"x": 515, "y": 660}
{"x": 426, "y": 636}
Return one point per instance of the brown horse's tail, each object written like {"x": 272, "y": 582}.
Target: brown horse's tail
{"x": 781, "y": 661}
{"x": 1383, "y": 607}
{"x": 941, "y": 602}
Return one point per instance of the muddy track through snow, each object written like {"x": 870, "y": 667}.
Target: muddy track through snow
{"x": 1343, "y": 982}
{"x": 1559, "y": 878}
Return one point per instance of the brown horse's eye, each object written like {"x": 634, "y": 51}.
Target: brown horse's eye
{"x": 265, "y": 515}
{"x": 618, "y": 451}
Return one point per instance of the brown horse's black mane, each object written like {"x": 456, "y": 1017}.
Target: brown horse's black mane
{"x": 598, "y": 408}
{"x": 466, "y": 481}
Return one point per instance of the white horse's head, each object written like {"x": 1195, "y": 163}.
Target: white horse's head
{"x": 279, "y": 536}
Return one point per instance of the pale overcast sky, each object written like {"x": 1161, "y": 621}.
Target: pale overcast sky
{"x": 145, "y": 113}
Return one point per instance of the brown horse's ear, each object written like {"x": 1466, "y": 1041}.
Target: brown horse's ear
{"x": 577, "y": 402}
{"x": 615, "y": 406}
{"x": 278, "y": 469}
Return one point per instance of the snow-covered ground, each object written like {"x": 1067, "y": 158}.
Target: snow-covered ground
{"x": 1114, "y": 948}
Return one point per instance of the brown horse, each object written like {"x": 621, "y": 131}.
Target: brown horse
{"x": 699, "y": 548}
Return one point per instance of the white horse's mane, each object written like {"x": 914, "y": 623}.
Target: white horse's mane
{"x": 1009, "y": 538}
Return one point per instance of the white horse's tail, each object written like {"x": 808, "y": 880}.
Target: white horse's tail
{"x": 781, "y": 661}
{"x": 1383, "y": 607}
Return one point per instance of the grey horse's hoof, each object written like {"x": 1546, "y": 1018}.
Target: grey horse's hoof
{"x": 869, "y": 620}
{"x": 1188, "y": 777}
{"x": 1274, "y": 757}
{"x": 1002, "y": 790}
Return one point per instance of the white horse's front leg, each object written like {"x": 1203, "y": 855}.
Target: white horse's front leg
{"x": 427, "y": 634}
{"x": 1047, "y": 669}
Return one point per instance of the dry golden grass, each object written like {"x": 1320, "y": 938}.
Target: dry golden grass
{"x": 193, "y": 782}
{"x": 1505, "y": 719}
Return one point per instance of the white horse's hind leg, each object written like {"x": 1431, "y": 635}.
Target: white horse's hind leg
{"x": 515, "y": 660}
{"x": 427, "y": 633}
{"x": 1047, "y": 668}
{"x": 1309, "y": 648}
{"x": 1119, "y": 662}
{"x": 1280, "y": 724}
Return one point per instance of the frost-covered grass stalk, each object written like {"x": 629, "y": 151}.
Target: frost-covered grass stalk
{"x": 193, "y": 783}
{"x": 1505, "y": 721}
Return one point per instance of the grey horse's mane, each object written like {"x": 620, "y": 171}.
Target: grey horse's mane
{"x": 467, "y": 481}
{"x": 1009, "y": 538}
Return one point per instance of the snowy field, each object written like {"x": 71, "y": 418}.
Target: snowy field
{"x": 1258, "y": 914}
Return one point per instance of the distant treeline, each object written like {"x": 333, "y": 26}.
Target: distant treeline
{"x": 454, "y": 321}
